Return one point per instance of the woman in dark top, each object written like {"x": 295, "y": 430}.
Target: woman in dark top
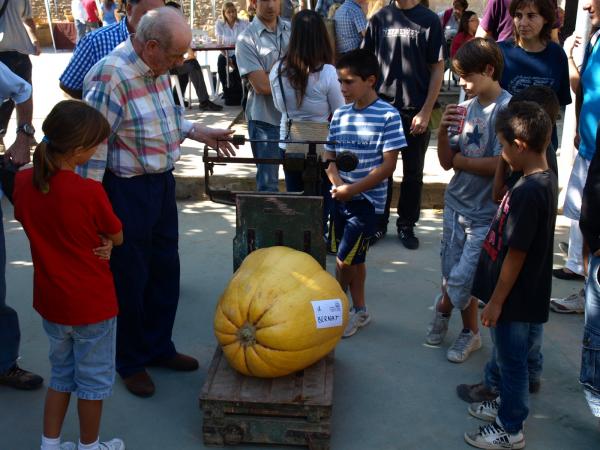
{"x": 532, "y": 59}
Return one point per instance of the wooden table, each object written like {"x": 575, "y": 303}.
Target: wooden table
{"x": 213, "y": 46}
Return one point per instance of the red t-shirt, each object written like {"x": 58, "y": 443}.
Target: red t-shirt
{"x": 458, "y": 41}
{"x": 92, "y": 10}
{"x": 71, "y": 285}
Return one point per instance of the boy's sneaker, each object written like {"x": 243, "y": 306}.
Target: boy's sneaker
{"x": 487, "y": 410}
{"x": 357, "y": 319}
{"x": 475, "y": 393}
{"x": 20, "y": 379}
{"x": 113, "y": 444}
{"x": 437, "y": 329}
{"x": 465, "y": 343}
{"x": 406, "y": 234}
{"x": 573, "y": 304}
{"x": 493, "y": 436}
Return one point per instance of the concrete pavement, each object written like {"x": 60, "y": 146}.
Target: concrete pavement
{"x": 391, "y": 391}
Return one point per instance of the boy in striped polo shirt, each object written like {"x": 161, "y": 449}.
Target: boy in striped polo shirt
{"x": 372, "y": 130}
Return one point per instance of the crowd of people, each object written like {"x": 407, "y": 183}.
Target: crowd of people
{"x": 110, "y": 153}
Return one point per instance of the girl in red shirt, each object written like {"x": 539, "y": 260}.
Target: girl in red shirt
{"x": 71, "y": 229}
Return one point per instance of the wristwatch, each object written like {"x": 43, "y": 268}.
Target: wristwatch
{"x": 27, "y": 129}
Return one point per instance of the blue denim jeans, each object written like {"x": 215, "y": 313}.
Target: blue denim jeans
{"x": 590, "y": 355}
{"x": 535, "y": 362}
{"x": 83, "y": 358}
{"x": 9, "y": 322}
{"x": 267, "y": 175}
{"x": 512, "y": 341}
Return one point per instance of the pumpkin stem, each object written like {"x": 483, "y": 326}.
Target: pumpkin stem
{"x": 247, "y": 334}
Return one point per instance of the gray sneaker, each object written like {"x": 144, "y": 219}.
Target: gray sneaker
{"x": 487, "y": 410}
{"x": 113, "y": 444}
{"x": 493, "y": 436}
{"x": 437, "y": 329}
{"x": 573, "y": 304}
{"x": 356, "y": 320}
{"x": 463, "y": 346}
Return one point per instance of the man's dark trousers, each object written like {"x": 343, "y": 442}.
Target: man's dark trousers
{"x": 413, "y": 162}
{"x": 145, "y": 268}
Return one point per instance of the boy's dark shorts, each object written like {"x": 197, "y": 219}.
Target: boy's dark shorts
{"x": 350, "y": 230}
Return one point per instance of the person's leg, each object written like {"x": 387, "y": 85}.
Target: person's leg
{"x": 409, "y": 202}
{"x": 535, "y": 359}
{"x": 10, "y": 334}
{"x": 589, "y": 375}
{"x": 162, "y": 290}
{"x": 267, "y": 175}
{"x": 130, "y": 265}
{"x": 575, "y": 253}
{"x": 221, "y": 70}
{"x": 55, "y": 410}
{"x": 512, "y": 347}
{"x": 327, "y": 200}
{"x": 90, "y": 413}
{"x": 197, "y": 80}
{"x": 20, "y": 65}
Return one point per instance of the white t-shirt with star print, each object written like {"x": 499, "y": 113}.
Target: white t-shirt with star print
{"x": 469, "y": 194}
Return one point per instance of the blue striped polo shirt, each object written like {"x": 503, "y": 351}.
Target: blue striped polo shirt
{"x": 368, "y": 133}
{"x": 91, "y": 49}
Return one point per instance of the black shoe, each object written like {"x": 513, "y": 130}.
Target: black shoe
{"x": 20, "y": 379}
{"x": 380, "y": 234}
{"x": 562, "y": 274}
{"x": 408, "y": 238}
{"x": 475, "y": 393}
{"x": 209, "y": 106}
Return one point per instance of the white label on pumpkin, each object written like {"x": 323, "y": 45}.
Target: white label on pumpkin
{"x": 328, "y": 313}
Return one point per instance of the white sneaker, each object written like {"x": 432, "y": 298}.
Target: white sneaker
{"x": 573, "y": 304}
{"x": 486, "y": 410}
{"x": 355, "y": 321}
{"x": 68, "y": 446}
{"x": 113, "y": 444}
{"x": 465, "y": 343}
{"x": 493, "y": 436}
{"x": 437, "y": 329}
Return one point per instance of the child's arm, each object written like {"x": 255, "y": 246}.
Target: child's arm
{"x": 445, "y": 153}
{"x": 332, "y": 171}
{"x": 345, "y": 192}
{"x": 485, "y": 167}
{"x": 511, "y": 267}
{"x": 499, "y": 185}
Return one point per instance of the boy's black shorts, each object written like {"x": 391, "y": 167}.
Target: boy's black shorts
{"x": 350, "y": 230}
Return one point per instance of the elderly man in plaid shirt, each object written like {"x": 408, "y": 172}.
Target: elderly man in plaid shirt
{"x": 350, "y": 26}
{"x": 131, "y": 88}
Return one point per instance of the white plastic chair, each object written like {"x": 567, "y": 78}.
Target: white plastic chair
{"x": 175, "y": 83}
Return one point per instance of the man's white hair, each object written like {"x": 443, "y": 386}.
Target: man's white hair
{"x": 157, "y": 25}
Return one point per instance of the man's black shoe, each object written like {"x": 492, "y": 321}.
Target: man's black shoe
{"x": 380, "y": 234}
{"x": 408, "y": 238}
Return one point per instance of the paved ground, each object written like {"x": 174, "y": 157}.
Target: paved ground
{"x": 391, "y": 391}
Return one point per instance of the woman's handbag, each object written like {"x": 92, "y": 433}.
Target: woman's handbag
{"x": 301, "y": 130}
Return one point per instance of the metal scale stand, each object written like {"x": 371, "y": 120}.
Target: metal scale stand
{"x": 265, "y": 219}
{"x": 295, "y": 409}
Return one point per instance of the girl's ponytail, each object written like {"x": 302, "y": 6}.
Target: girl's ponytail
{"x": 43, "y": 166}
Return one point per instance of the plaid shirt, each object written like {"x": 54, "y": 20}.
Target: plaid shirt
{"x": 350, "y": 22}
{"x": 146, "y": 125}
{"x": 91, "y": 49}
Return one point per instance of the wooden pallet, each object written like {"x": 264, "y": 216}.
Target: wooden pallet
{"x": 291, "y": 410}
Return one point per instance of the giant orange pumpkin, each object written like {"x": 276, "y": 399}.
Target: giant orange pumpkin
{"x": 280, "y": 313}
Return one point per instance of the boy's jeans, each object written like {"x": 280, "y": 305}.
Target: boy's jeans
{"x": 535, "y": 360}
{"x": 512, "y": 343}
{"x": 267, "y": 175}
{"x": 590, "y": 356}
{"x": 9, "y": 322}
